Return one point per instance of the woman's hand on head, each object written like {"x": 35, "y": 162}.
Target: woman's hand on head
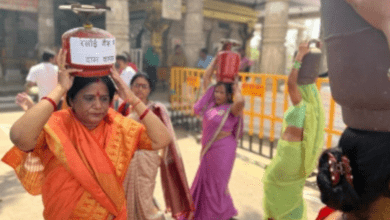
{"x": 236, "y": 88}
{"x": 65, "y": 77}
{"x": 123, "y": 90}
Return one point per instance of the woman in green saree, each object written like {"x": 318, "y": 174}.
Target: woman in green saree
{"x": 298, "y": 149}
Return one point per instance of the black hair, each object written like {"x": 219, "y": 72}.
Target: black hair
{"x": 128, "y": 56}
{"x": 225, "y": 46}
{"x": 146, "y": 77}
{"x": 121, "y": 57}
{"x": 228, "y": 89}
{"x": 177, "y": 46}
{"x": 369, "y": 153}
{"x": 81, "y": 82}
{"x": 204, "y": 50}
{"x": 46, "y": 56}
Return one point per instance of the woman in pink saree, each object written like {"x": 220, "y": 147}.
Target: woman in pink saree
{"x": 141, "y": 179}
{"x": 222, "y": 127}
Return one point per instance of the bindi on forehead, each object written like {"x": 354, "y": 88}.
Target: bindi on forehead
{"x": 98, "y": 93}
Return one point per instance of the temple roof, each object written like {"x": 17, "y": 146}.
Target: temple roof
{"x": 259, "y": 4}
{"x": 298, "y": 8}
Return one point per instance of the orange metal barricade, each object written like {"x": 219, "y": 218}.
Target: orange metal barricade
{"x": 183, "y": 96}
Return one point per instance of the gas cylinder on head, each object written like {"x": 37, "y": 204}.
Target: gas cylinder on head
{"x": 228, "y": 62}
{"x": 90, "y": 49}
{"x": 228, "y": 66}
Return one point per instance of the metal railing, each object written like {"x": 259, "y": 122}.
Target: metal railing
{"x": 263, "y": 116}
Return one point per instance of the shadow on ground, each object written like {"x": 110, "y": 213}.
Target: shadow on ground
{"x": 181, "y": 132}
{"x": 250, "y": 214}
{"x": 10, "y": 187}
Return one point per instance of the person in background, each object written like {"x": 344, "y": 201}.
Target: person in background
{"x": 222, "y": 128}
{"x": 44, "y": 75}
{"x": 24, "y": 101}
{"x": 131, "y": 64}
{"x": 204, "y": 59}
{"x": 142, "y": 172}
{"x": 126, "y": 72}
{"x": 245, "y": 64}
{"x": 178, "y": 58}
{"x": 152, "y": 61}
{"x": 300, "y": 145}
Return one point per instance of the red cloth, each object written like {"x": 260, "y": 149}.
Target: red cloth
{"x": 124, "y": 109}
{"x": 324, "y": 213}
{"x": 176, "y": 190}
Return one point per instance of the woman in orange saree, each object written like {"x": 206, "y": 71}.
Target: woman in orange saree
{"x": 78, "y": 158}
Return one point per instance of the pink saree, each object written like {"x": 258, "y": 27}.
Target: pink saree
{"x": 209, "y": 190}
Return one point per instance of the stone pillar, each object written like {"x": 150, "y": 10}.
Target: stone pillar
{"x": 46, "y": 31}
{"x": 193, "y": 31}
{"x": 301, "y": 36}
{"x": 10, "y": 28}
{"x": 10, "y": 34}
{"x": 273, "y": 53}
{"x": 256, "y": 65}
{"x": 118, "y": 23}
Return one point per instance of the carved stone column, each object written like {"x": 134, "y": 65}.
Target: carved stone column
{"x": 118, "y": 23}
{"x": 301, "y": 32}
{"x": 10, "y": 22}
{"x": 193, "y": 31}
{"x": 46, "y": 31}
{"x": 273, "y": 53}
{"x": 246, "y": 34}
{"x": 156, "y": 25}
{"x": 10, "y": 34}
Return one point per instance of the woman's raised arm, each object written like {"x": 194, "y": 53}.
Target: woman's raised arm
{"x": 239, "y": 100}
{"x": 292, "y": 82}
{"x": 209, "y": 73}
{"x": 155, "y": 128}
{"x": 25, "y": 131}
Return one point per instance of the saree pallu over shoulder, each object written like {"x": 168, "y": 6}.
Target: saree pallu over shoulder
{"x": 91, "y": 166}
{"x": 285, "y": 177}
{"x": 175, "y": 186}
{"x": 139, "y": 182}
{"x": 202, "y": 108}
{"x": 207, "y": 99}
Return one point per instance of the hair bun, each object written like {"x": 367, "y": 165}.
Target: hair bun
{"x": 341, "y": 196}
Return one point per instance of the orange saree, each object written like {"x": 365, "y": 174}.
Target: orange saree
{"x": 80, "y": 172}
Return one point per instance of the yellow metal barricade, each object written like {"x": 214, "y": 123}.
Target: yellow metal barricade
{"x": 184, "y": 90}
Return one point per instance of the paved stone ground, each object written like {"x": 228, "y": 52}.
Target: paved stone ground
{"x": 245, "y": 185}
